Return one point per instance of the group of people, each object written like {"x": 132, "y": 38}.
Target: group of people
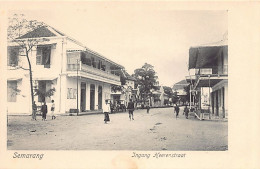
{"x": 185, "y": 111}
{"x": 107, "y": 110}
{"x": 44, "y": 111}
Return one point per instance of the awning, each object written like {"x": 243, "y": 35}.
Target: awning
{"x": 44, "y": 78}
{"x": 205, "y": 56}
{"x": 14, "y": 79}
{"x": 209, "y": 82}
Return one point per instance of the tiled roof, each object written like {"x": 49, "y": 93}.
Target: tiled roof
{"x": 39, "y": 32}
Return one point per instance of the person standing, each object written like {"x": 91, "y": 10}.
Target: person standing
{"x": 148, "y": 108}
{"x": 52, "y": 110}
{"x": 106, "y": 111}
{"x": 186, "y": 111}
{"x": 177, "y": 110}
{"x": 44, "y": 110}
{"x": 34, "y": 111}
{"x": 131, "y": 108}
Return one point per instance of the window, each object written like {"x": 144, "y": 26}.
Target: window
{"x": 11, "y": 91}
{"x": 43, "y": 56}
{"x": 12, "y": 57}
{"x": 71, "y": 93}
{"x": 93, "y": 62}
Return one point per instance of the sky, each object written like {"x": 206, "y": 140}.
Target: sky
{"x": 132, "y": 34}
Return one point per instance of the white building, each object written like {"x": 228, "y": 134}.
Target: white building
{"x": 57, "y": 64}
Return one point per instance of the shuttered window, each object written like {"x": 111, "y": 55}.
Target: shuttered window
{"x": 43, "y": 55}
{"x": 11, "y": 91}
{"x": 12, "y": 56}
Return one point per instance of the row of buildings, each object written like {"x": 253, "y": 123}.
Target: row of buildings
{"x": 79, "y": 78}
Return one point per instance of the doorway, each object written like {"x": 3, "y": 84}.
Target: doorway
{"x": 217, "y": 111}
{"x": 83, "y": 97}
{"x": 92, "y": 97}
{"x": 99, "y": 97}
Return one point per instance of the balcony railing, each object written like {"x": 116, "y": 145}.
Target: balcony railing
{"x": 214, "y": 70}
{"x": 92, "y": 70}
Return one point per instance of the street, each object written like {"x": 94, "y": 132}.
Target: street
{"x": 158, "y": 130}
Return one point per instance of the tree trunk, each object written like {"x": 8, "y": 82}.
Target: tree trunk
{"x": 31, "y": 84}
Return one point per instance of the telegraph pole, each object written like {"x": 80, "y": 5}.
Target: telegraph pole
{"x": 77, "y": 88}
{"x": 209, "y": 97}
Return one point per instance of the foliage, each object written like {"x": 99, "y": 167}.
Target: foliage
{"x": 146, "y": 78}
{"x": 117, "y": 88}
{"x": 168, "y": 91}
{"x": 174, "y": 97}
{"x": 17, "y": 26}
{"x": 43, "y": 93}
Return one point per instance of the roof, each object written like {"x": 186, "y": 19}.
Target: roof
{"x": 43, "y": 31}
{"x": 204, "y": 56}
{"x": 48, "y": 31}
{"x": 129, "y": 77}
{"x": 182, "y": 82}
{"x": 180, "y": 85}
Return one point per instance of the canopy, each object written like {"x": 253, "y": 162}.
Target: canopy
{"x": 205, "y": 56}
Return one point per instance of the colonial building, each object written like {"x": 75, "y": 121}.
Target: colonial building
{"x": 210, "y": 83}
{"x": 128, "y": 90}
{"x": 80, "y": 77}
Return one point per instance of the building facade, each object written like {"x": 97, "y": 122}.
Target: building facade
{"x": 77, "y": 76}
{"x": 210, "y": 83}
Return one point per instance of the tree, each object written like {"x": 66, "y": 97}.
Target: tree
{"x": 175, "y": 97}
{"x": 146, "y": 78}
{"x": 18, "y": 26}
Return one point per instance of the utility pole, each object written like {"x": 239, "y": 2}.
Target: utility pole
{"x": 190, "y": 96}
{"x": 77, "y": 88}
{"x": 209, "y": 97}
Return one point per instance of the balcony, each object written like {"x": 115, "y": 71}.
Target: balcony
{"x": 214, "y": 70}
{"x": 93, "y": 73}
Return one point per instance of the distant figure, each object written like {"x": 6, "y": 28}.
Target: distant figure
{"x": 111, "y": 107}
{"x": 106, "y": 111}
{"x": 44, "y": 110}
{"x": 177, "y": 110}
{"x": 186, "y": 111}
{"x": 52, "y": 110}
{"x": 131, "y": 108}
{"x": 148, "y": 108}
{"x": 34, "y": 111}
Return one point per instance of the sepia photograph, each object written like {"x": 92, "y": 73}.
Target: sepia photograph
{"x": 141, "y": 80}
{"x": 76, "y": 83}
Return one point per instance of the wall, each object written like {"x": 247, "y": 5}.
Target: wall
{"x": 218, "y": 89}
{"x": 72, "y": 83}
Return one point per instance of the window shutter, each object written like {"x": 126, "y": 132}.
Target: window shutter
{"x": 39, "y": 56}
{"x": 8, "y": 56}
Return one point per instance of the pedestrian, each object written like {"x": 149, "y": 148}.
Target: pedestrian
{"x": 52, "y": 110}
{"x": 44, "y": 111}
{"x": 106, "y": 111}
{"x": 34, "y": 111}
{"x": 148, "y": 108}
{"x": 186, "y": 111}
{"x": 177, "y": 110}
{"x": 131, "y": 108}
